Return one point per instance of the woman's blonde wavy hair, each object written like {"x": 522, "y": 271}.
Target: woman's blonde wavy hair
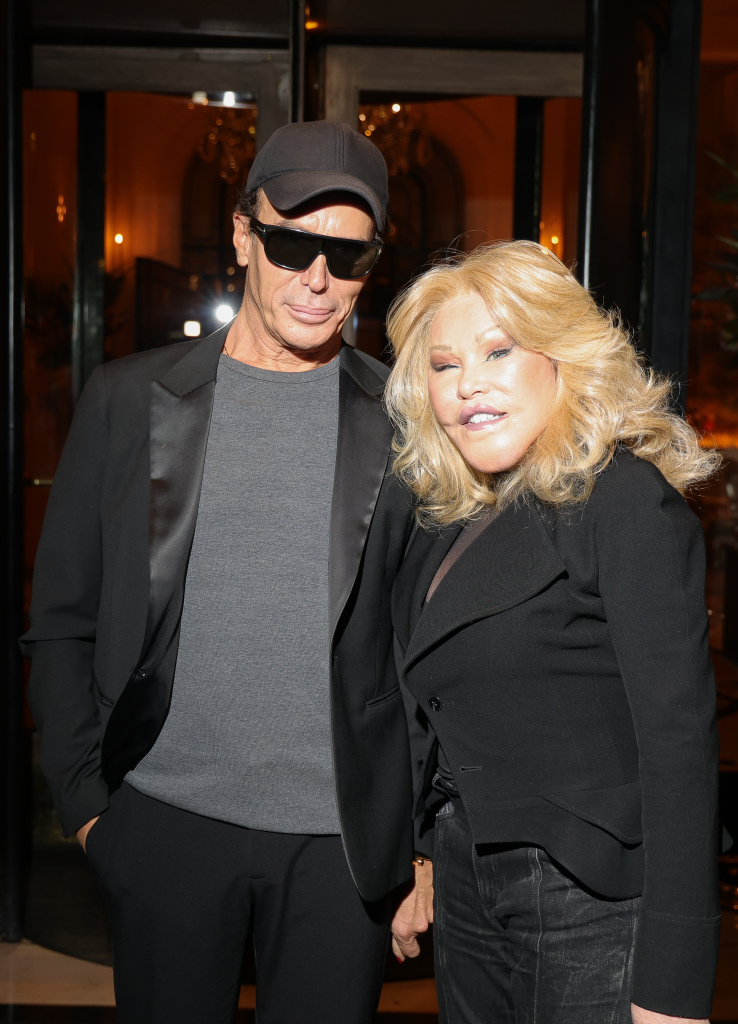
{"x": 605, "y": 396}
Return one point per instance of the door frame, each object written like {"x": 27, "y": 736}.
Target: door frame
{"x": 348, "y": 70}
{"x": 264, "y": 75}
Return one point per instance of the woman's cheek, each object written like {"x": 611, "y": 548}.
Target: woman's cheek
{"x": 441, "y": 402}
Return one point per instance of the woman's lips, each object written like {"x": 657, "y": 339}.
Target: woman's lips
{"x": 485, "y": 422}
{"x": 481, "y": 417}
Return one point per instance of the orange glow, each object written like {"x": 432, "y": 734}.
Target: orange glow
{"x": 309, "y": 25}
{"x": 118, "y": 239}
{"x": 559, "y": 184}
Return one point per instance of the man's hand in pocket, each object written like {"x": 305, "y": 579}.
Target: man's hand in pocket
{"x": 82, "y": 832}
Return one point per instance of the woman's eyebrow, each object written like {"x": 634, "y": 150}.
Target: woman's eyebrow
{"x": 440, "y": 348}
{"x": 493, "y": 334}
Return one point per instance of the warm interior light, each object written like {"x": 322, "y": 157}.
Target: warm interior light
{"x": 192, "y": 328}
{"x": 310, "y": 25}
{"x": 554, "y": 239}
{"x": 200, "y": 97}
{"x": 229, "y": 99}
{"x": 396, "y": 108}
{"x": 118, "y": 239}
{"x": 224, "y": 313}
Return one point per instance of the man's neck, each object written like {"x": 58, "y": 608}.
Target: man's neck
{"x": 262, "y": 350}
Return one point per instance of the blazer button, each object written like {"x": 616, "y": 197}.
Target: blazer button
{"x": 434, "y": 703}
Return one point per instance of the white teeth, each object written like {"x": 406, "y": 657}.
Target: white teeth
{"x": 484, "y": 417}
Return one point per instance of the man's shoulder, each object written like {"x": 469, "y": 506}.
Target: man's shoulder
{"x": 381, "y": 369}
{"x": 149, "y": 365}
{"x": 369, "y": 372}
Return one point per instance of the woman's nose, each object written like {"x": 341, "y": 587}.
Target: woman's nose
{"x": 471, "y": 381}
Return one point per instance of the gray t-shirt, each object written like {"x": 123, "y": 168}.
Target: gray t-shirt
{"x": 247, "y": 738}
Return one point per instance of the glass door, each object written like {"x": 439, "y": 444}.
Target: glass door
{"x": 127, "y": 224}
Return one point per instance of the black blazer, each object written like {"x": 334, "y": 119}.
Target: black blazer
{"x": 109, "y": 586}
{"x": 563, "y": 663}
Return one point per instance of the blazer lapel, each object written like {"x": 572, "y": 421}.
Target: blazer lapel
{"x": 364, "y": 439}
{"x": 511, "y": 561}
{"x": 181, "y": 404}
{"x": 426, "y": 551}
{"x": 180, "y": 409}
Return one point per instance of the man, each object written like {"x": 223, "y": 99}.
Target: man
{"x": 212, "y": 678}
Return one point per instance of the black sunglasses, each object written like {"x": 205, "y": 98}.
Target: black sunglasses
{"x": 291, "y": 249}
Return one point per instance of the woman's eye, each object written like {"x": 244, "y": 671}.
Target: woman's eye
{"x": 498, "y": 353}
{"x": 439, "y": 367}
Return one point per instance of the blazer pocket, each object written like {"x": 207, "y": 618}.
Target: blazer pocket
{"x": 383, "y": 698}
{"x": 616, "y": 810}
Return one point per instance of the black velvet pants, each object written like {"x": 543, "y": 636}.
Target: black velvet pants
{"x": 181, "y": 892}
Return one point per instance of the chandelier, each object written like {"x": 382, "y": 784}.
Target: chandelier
{"x": 398, "y": 131}
{"x": 231, "y": 141}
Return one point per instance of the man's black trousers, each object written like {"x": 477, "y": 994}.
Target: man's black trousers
{"x": 181, "y": 893}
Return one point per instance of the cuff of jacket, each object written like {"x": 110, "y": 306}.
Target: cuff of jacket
{"x": 424, "y": 829}
{"x": 675, "y": 963}
{"x": 90, "y": 798}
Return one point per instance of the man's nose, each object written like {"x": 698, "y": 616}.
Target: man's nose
{"x": 316, "y": 276}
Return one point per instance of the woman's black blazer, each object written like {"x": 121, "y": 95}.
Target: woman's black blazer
{"x": 563, "y": 664}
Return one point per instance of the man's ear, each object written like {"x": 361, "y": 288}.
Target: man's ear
{"x": 242, "y": 238}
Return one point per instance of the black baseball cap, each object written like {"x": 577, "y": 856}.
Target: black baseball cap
{"x": 303, "y": 160}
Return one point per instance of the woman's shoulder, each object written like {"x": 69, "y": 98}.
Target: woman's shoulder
{"x": 632, "y": 509}
{"x": 630, "y": 473}
{"x": 634, "y": 488}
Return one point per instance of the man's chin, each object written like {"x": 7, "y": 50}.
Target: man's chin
{"x": 302, "y": 336}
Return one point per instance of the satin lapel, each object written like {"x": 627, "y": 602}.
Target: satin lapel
{"x": 179, "y": 435}
{"x": 180, "y": 408}
{"x": 362, "y": 456}
{"x": 181, "y": 404}
{"x": 510, "y": 562}
{"x": 426, "y": 551}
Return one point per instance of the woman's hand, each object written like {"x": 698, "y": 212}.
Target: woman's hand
{"x": 641, "y": 1016}
{"x": 414, "y": 914}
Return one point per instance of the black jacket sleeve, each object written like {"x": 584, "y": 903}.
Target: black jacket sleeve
{"x": 64, "y": 613}
{"x": 650, "y": 556}
{"x": 423, "y": 750}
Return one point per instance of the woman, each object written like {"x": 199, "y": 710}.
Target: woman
{"x": 552, "y": 624}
